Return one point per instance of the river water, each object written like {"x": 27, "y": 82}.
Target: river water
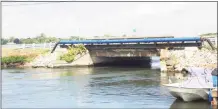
{"x": 99, "y": 87}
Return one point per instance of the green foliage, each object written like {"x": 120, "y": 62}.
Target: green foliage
{"x": 39, "y": 39}
{"x": 42, "y": 38}
{"x": 76, "y": 38}
{"x": 14, "y": 59}
{"x": 72, "y": 52}
{"x": 11, "y": 39}
{"x": 4, "y": 41}
{"x": 44, "y": 51}
{"x": 208, "y": 34}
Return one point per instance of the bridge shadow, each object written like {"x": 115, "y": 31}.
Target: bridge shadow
{"x": 144, "y": 62}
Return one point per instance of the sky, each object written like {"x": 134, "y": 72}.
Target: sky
{"x": 89, "y": 19}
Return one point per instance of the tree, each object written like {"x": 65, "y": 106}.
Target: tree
{"x": 124, "y": 35}
{"x": 4, "y": 41}
{"x": 208, "y": 34}
{"x": 11, "y": 39}
{"x": 107, "y": 35}
{"x": 74, "y": 37}
{"x": 16, "y": 41}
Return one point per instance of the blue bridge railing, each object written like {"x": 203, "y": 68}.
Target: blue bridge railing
{"x": 130, "y": 40}
{"x": 145, "y": 40}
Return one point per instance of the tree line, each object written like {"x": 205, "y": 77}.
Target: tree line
{"x": 42, "y": 38}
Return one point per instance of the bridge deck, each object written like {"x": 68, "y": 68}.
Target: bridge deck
{"x": 153, "y": 42}
{"x": 179, "y": 39}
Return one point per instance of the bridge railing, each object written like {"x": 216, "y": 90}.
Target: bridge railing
{"x": 182, "y": 40}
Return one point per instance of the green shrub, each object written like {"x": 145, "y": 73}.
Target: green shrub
{"x": 72, "y": 52}
{"x": 13, "y": 59}
{"x": 68, "y": 57}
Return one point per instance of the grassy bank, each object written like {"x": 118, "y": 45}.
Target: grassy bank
{"x": 19, "y": 57}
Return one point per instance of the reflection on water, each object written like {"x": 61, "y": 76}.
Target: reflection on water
{"x": 85, "y": 87}
{"x": 190, "y": 105}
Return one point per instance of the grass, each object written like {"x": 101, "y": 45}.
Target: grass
{"x": 23, "y": 52}
{"x": 10, "y": 56}
{"x": 14, "y": 59}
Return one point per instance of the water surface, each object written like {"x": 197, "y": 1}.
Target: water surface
{"x": 101, "y": 87}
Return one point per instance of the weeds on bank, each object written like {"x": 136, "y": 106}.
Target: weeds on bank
{"x": 21, "y": 56}
{"x": 13, "y": 59}
{"x": 72, "y": 53}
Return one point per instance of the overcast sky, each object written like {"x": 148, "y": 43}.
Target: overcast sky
{"x": 96, "y": 19}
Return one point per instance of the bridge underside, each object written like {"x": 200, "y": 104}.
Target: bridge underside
{"x": 122, "y": 57}
{"x": 130, "y": 54}
{"x": 122, "y": 61}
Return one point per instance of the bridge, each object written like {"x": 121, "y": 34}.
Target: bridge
{"x": 134, "y": 51}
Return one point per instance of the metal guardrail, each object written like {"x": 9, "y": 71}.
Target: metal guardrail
{"x": 130, "y": 40}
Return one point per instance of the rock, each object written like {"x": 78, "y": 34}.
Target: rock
{"x": 178, "y": 67}
{"x": 192, "y": 58}
{"x": 170, "y": 63}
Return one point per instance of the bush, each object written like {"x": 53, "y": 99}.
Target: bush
{"x": 72, "y": 52}
{"x": 4, "y": 41}
{"x": 13, "y": 59}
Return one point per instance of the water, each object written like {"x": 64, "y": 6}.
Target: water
{"x": 102, "y": 87}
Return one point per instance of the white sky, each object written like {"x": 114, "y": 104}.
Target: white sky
{"x": 114, "y": 18}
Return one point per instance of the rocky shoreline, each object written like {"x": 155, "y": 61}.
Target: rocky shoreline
{"x": 176, "y": 60}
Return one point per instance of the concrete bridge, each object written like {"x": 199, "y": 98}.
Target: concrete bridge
{"x": 134, "y": 51}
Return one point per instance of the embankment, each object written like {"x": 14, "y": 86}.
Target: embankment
{"x": 176, "y": 60}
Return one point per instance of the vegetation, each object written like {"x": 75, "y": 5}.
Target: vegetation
{"x": 76, "y": 38}
{"x": 42, "y": 38}
{"x": 20, "y": 56}
{"x": 208, "y": 34}
{"x": 4, "y": 41}
{"x": 72, "y": 53}
{"x": 14, "y": 59}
